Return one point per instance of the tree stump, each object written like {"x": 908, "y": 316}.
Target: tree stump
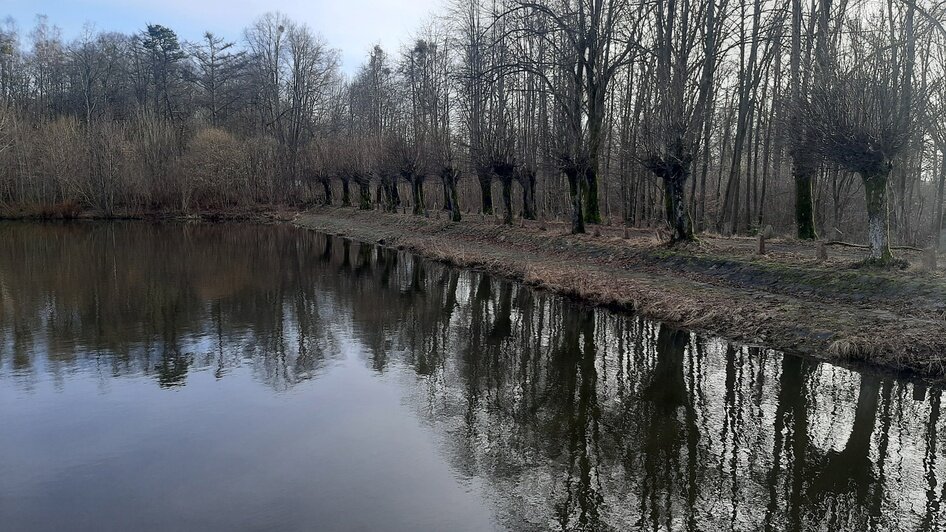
{"x": 761, "y": 249}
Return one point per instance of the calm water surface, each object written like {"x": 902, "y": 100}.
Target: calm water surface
{"x": 239, "y": 377}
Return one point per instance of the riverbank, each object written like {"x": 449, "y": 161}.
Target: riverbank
{"x": 786, "y": 299}
{"x": 71, "y": 211}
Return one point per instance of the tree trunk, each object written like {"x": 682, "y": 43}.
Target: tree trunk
{"x": 804, "y": 202}
{"x": 590, "y": 193}
{"x": 802, "y": 167}
{"x": 938, "y": 234}
{"x": 454, "y": 202}
{"x": 486, "y": 191}
{"x": 506, "y": 182}
{"x": 364, "y": 189}
{"x": 595, "y": 125}
{"x": 675, "y": 201}
{"x": 394, "y": 197}
{"x": 578, "y": 220}
{"x": 878, "y": 224}
{"x": 417, "y": 194}
{"x": 327, "y": 185}
{"x": 346, "y": 193}
{"x": 527, "y": 180}
{"x": 450, "y": 198}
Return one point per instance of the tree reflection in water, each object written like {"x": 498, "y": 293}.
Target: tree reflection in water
{"x": 575, "y": 418}
{"x": 585, "y": 420}
{"x": 160, "y": 300}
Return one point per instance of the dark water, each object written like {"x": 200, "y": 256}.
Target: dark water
{"x": 246, "y": 378}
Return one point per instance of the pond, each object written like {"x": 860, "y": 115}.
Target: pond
{"x": 247, "y": 377}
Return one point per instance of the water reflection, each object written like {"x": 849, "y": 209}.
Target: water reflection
{"x": 158, "y": 300}
{"x": 575, "y": 418}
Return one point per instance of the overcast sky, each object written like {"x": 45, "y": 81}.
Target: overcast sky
{"x": 353, "y": 26}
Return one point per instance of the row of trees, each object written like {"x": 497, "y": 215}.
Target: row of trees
{"x": 123, "y": 122}
{"x": 819, "y": 118}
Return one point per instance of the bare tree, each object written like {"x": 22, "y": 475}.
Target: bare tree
{"x": 862, "y": 115}
{"x": 591, "y": 40}
{"x": 218, "y": 71}
{"x": 676, "y": 123}
{"x": 295, "y": 72}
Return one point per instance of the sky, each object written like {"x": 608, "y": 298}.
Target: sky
{"x": 352, "y": 26}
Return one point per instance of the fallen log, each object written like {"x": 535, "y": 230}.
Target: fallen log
{"x": 865, "y": 246}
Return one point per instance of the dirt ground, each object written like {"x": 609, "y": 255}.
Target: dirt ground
{"x": 786, "y": 299}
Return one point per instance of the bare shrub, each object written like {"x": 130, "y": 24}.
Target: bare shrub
{"x": 212, "y": 171}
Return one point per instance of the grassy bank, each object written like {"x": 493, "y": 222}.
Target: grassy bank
{"x": 786, "y": 299}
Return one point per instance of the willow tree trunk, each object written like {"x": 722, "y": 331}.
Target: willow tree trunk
{"x": 574, "y": 188}
{"x": 507, "y": 199}
{"x": 528, "y": 196}
{"x": 675, "y": 202}
{"x": 450, "y": 197}
{"x": 364, "y": 189}
{"x": 590, "y": 194}
{"x": 327, "y": 185}
{"x": 878, "y": 224}
{"x": 417, "y": 194}
{"x": 804, "y": 175}
{"x": 486, "y": 191}
{"x": 393, "y": 196}
{"x": 346, "y": 193}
